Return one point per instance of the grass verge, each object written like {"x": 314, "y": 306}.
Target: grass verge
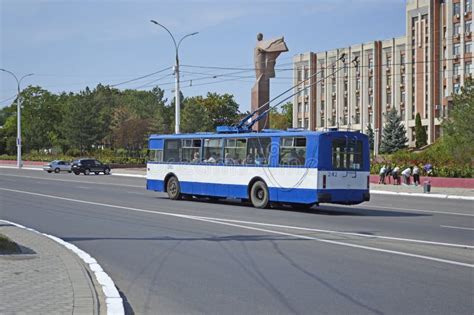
{"x": 7, "y": 246}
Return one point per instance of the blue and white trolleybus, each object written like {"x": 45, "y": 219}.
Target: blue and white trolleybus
{"x": 289, "y": 167}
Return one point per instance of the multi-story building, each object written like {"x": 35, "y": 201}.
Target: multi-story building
{"x": 416, "y": 73}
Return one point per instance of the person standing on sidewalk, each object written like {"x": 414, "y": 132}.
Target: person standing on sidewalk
{"x": 388, "y": 173}
{"x": 416, "y": 175}
{"x": 395, "y": 175}
{"x": 382, "y": 175}
{"x": 406, "y": 176}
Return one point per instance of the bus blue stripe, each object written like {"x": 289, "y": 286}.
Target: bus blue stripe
{"x": 276, "y": 194}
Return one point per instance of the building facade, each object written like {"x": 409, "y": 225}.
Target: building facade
{"x": 416, "y": 73}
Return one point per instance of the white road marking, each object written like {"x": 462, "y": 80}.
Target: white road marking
{"x": 457, "y": 227}
{"x": 211, "y": 220}
{"x": 409, "y": 209}
{"x": 343, "y": 233}
{"x": 74, "y": 181}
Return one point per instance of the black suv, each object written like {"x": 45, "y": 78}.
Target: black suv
{"x": 87, "y": 166}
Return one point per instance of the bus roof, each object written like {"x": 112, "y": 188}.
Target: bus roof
{"x": 269, "y": 133}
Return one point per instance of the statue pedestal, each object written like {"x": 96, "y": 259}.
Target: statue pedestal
{"x": 260, "y": 96}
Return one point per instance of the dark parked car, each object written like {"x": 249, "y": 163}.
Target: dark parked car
{"x": 88, "y": 166}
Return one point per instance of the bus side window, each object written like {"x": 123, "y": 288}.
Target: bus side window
{"x": 155, "y": 155}
{"x": 346, "y": 156}
{"x": 293, "y": 151}
{"x": 212, "y": 151}
{"x": 190, "y": 150}
{"x": 258, "y": 151}
{"x": 172, "y": 150}
{"x": 234, "y": 151}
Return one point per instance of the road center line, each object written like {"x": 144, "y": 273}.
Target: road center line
{"x": 210, "y": 220}
{"x": 457, "y": 227}
{"x": 74, "y": 181}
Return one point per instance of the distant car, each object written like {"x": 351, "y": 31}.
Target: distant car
{"x": 87, "y": 166}
{"x": 57, "y": 166}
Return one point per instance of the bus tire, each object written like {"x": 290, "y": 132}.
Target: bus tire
{"x": 173, "y": 188}
{"x": 259, "y": 195}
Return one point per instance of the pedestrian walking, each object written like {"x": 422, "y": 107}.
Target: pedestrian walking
{"x": 382, "y": 175}
{"x": 416, "y": 175}
{"x": 406, "y": 176}
{"x": 396, "y": 175}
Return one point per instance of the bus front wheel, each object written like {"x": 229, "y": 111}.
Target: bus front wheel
{"x": 259, "y": 195}
{"x": 173, "y": 189}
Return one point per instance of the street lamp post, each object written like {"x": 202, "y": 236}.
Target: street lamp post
{"x": 176, "y": 72}
{"x": 19, "y": 163}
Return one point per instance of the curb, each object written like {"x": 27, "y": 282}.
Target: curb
{"x": 439, "y": 196}
{"x": 114, "y": 303}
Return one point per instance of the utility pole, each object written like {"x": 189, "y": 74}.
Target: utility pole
{"x": 177, "y": 95}
{"x": 19, "y": 162}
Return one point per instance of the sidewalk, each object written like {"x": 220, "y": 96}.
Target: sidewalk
{"x": 47, "y": 278}
{"x": 412, "y": 189}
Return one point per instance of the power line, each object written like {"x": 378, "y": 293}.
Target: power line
{"x": 141, "y": 77}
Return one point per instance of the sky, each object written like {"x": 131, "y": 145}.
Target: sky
{"x": 70, "y": 44}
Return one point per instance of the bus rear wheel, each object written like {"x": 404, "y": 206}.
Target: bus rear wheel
{"x": 259, "y": 195}
{"x": 173, "y": 188}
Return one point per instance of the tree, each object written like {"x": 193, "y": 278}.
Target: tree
{"x": 41, "y": 117}
{"x": 282, "y": 120}
{"x": 394, "y": 134}
{"x": 194, "y": 116}
{"x": 420, "y": 132}
{"x": 458, "y": 128}
{"x": 370, "y": 133}
{"x": 82, "y": 125}
{"x": 222, "y": 109}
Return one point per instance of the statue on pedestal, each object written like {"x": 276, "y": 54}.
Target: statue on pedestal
{"x": 265, "y": 54}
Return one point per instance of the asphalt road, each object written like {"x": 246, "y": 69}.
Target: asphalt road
{"x": 392, "y": 255}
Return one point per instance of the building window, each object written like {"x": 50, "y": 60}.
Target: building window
{"x": 371, "y": 62}
{"x": 322, "y": 88}
{"x": 357, "y": 100}
{"x": 456, "y": 8}
{"x": 333, "y": 87}
{"x": 389, "y": 80}
{"x": 371, "y": 83}
{"x": 402, "y": 59}
{"x": 402, "y": 79}
{"x": 358, "y": 84}
{"x": 357, "y": 118}
{"x": 445, "y": 91}
{"x": 467, "y": 26}
{"x": 456, "y": 29}
{"x": 322, "y": 71}
{"x": 306, "y": 107}
{"x": 468, "y": 69}
{"x": 322, "y": 105}
{"x": 456, "y": 67}
{"x": 299, "y": 107}
{"x": 457, "y": 88}
{"x": 389, "y": 61}
{"x": 306, "y": 123}
{"x": 468, "y": 47}
{"x": 300, "y": 123}
{"x": 321, "y": 121}
{"x": 468, "y": 6}
{"x": 371, "y": 99}
{"x": 402, "y": 96}
{"x": 389, "y": 98}
{"x": 306, "y": 72}
{"x": 456, "y": 49}
{"x": 298, "y": 70}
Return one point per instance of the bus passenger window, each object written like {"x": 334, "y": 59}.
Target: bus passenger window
{"x": 171, "y": 152}
{"x": 234, "y": 151}
{"x": 212, "y": 151}
{"x": 292, "y": 151}
{"x": 258, "y": 151}
{"x": 155, "y": 155}
{"x": 190, "y": 151}
{"x": 346, "y": 154}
